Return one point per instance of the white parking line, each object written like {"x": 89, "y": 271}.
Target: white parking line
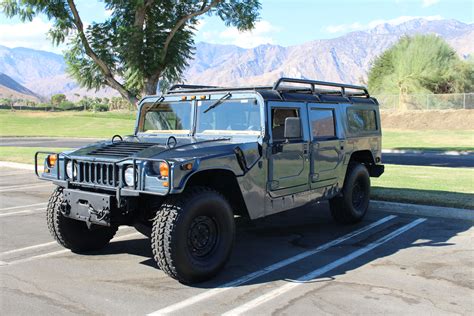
{"x": 54, "y": 253}
{"x": 9, "y": 252}
{"x": 14, "y": 173}
{"x": 22, "y": 212}
{"x": 268, "y": 269}
{"x": 21, "y": 206}
{"x": 23, "y": 186}
{"x": 318, "y": 272}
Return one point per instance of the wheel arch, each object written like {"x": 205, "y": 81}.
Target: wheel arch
{"x": 363, "y": 156}
{"x": 223, "y": 181}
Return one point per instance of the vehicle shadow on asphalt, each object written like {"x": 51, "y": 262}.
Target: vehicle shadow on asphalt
{"x": 264, "y": 242}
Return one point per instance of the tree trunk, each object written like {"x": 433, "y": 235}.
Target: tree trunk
{"x": 151, "y": 86}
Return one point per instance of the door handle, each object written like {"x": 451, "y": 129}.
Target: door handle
{"x": 305, "y": 149}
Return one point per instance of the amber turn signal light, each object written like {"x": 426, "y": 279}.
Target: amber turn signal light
{"x": 187, "y": 166}
{"x": 164, "y": 170}
{"x": 52, "y": 160}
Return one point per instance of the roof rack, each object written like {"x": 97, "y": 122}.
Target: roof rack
{"x": 180, "y": 88}
{"x": 314, "y": 83}
{"x": 190, "y": 86}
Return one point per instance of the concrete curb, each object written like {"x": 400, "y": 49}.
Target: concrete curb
{"x": 428, "y": 152}
{"x": 422, "y": 210}
{"x": 17, "y": 165}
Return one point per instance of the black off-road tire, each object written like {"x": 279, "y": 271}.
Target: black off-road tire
{"x": 351, "y": 205}
{"x": 73, "y": 234}
{"x": 193, "y": 235}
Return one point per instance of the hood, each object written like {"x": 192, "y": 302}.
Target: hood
{"x": 185, "y": 149}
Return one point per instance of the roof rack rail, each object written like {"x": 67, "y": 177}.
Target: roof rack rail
{"x": 314, "y": 83}
{"x": 215, "y": 89}
{"x": 190, "y": 86}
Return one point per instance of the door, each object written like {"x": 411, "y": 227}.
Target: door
{"x": 326, "y": 147}
{"x": 288, "y": 157}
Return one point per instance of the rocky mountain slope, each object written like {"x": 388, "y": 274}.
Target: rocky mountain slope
{"x": 343, "y": 59}
{"x": 9, "y": 88}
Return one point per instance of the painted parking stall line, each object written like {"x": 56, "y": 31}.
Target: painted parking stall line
{"x": 246, "y": 278}
{"x": 320, "y": 271}
{"x": 22, "y": 187}
{"x": 22, "y": 206}
{"x": 22, "y": 212}
{"x": 58, "y": 252}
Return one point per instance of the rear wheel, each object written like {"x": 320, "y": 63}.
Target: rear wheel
{"x": 193, "y": 235}
{"x": 351, "y": 206}
{"x": 73, "y": 234}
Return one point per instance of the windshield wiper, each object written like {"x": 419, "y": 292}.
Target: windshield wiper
{"x": 215, "y": 104}
{"x": 157, "y": 101}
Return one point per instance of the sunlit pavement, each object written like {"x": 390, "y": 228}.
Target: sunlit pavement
{"x": 293, "y": 263}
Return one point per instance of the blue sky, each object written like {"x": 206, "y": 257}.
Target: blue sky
{"x": 283, "y": 22}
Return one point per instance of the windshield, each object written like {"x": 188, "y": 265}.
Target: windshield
{"x": 164, "y": 118}
{"x": 230, "y": 117}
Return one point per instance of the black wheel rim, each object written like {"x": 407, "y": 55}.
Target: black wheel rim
{"x": 358, "y": 195}
{"x": 202, "y": 236}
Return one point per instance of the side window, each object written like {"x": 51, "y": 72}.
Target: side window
{"x": 322, "y": 123}
{"x": 361, "y": 120}
{"x": 278, "y": 121}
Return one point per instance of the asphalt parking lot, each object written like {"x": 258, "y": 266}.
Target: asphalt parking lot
{"x": 294, "y": 263}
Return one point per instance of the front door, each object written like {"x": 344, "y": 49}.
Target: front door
{"x": 327, "y": 148}
{"x": 288, "y": 158}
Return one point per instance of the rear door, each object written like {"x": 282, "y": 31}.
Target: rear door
{"x": 326, "y": 148}
{"x": 288, "y": 158}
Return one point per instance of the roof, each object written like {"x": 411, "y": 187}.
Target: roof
{"x": 292, "y": 89}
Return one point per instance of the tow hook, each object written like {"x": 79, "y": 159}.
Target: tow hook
{"x": 65, "y": 208}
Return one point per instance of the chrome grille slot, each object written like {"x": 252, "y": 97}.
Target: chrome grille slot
{"x": 97, "y": 173}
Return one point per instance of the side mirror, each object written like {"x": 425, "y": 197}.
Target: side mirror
{"x": 292, "y": 127}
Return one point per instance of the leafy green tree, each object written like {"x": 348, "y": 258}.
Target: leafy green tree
{"x": 420, "y": 64}
{"x": 143, "y": 41}
{"x": 57, "y": 99}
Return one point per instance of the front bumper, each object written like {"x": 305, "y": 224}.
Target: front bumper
{"x": 106, "y": 175}
{"x": 89, "y": 207}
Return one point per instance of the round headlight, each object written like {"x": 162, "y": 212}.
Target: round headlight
{"x": 129, "y": 177}
{"x": 69, "y": 171}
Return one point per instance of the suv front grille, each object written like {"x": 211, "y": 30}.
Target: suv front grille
{"x": 98, "y": 173}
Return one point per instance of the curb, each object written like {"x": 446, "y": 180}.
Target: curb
{"x": 422, "y": 210}
{"x": 428, "y": 152}
{"x": 17, "y": 165}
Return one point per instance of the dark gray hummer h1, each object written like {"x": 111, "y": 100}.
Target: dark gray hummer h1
{"x": 201, "y": 155}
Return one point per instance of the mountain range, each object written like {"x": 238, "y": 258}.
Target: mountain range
{"x": 343, "y": 59}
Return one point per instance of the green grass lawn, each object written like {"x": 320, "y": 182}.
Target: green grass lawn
{"x": 452, "y": 187}
{"x": 23, "y": 154}
{"x": 66, "y": 124}
{"x": 428, "y": 139}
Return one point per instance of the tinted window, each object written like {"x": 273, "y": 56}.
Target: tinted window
{"x": 361, "y": 120}
{"x": 231, "y": 116}
{"x": 322, "y": 123}
{"x": 167, "y": 118}
{"x": 279, "y": 116}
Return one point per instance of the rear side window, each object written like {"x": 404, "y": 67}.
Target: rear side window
{"x": 279, "y": 116}
{"x": 322, "y": 123}
{"x": 361, "y": 120}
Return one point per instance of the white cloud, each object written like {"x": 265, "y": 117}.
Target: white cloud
{"x": 343, "y": 28}
{"x": 30, "y": 34}
{"x": 261, "y": 34}
{"x": 429, "y": 3}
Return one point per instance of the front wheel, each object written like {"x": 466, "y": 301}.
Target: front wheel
{"x": 74, "y": 234}
{"x": 193, "y": 235}
{"x": 351, "y": 206}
